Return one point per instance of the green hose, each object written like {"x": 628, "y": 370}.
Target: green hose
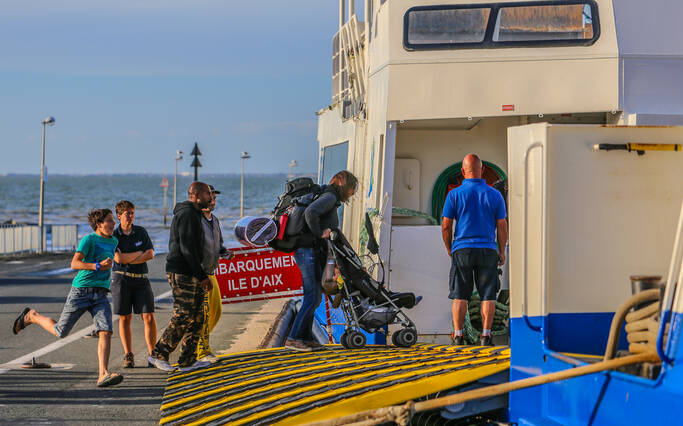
{"x": 441, "y": 185}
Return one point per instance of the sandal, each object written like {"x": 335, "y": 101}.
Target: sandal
{"x": 19, "y": 323}
{"x": 110, "y": 379}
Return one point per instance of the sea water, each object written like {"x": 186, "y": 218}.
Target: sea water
{"x": 68, "y": 198}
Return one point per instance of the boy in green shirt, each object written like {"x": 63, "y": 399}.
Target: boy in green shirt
{"x": 93, "y": 260}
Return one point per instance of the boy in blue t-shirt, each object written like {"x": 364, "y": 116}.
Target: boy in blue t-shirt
{"x": 93, "y": 260}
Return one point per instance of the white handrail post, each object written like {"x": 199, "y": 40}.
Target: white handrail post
{"x": 42, "y": 192}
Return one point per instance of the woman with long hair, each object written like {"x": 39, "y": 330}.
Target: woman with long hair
{"x": 321, "y": 217}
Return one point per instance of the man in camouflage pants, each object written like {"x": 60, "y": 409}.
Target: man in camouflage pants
{"x": 188, "y": 281}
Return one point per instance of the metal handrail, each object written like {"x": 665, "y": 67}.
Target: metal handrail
{"x": 675, "y": 268}
{"x": 524, "y": 240}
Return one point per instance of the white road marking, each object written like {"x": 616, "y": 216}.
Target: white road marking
{"x": 61, "y": 342}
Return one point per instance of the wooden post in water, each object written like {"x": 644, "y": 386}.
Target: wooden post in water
{"x": 164, "y": 184}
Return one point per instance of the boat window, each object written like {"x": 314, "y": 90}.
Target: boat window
{"x": 541, "y": 23}
{"x": 447, "y": 26}
{"x": 496, "y": 25}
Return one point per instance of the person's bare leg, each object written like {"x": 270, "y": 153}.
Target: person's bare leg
{"x": 459, "y": 308}
{"x": 150, "y": 330}
{"x": 33, "y": 317}
{"x": 103, "y": 348}
{"x": 125, "y": 333}
{"x": 488, "y": 311}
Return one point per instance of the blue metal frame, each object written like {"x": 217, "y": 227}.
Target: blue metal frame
{"x": 600, "y": 398}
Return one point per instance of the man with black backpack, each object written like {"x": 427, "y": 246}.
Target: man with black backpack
{"x": 318, "y": 209}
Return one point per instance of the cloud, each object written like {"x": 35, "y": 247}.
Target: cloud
{"x": 134, "y": 134}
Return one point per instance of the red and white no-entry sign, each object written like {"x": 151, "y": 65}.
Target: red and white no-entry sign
{"x": 257, "y": 274}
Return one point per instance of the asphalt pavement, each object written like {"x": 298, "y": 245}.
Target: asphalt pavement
{"x": 66, "y": 392}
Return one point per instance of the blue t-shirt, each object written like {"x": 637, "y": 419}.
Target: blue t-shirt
{"x": 95, "y": 249}
{"x": 476, "y": 207}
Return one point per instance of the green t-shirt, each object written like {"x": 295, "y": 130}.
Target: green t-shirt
{"x": 95, "y": 249}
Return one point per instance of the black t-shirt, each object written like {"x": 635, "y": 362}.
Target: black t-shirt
{"x": 137, "y": 240}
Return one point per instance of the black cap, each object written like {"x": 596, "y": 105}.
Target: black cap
{"x": 214, "y": 190}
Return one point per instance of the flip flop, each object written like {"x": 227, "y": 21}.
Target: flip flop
{"x": 110, "y": 379}
{"x": 19, "y": 323}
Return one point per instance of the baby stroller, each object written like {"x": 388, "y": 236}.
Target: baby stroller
{"x": 366, "y": 303}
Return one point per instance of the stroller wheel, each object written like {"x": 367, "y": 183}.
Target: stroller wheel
{"x": 342, "y": 340}
{"x": 355, "y": 339}
{"x": 404, "y": 338}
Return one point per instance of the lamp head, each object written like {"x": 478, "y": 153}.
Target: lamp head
{"x": 245, "y": 155}
{"x": 50, "y": 121}
{"x": 179, "y": 154}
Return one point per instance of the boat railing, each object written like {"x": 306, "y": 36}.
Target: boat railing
{"x": 26, "y": 238}
{"x": 671, "y": 291}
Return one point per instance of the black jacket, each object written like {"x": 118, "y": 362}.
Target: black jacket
{"x": 186, "y": 243}
{"x": 322, "y": 213}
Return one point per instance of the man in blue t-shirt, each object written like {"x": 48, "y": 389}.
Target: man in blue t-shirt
{"x": 93, "y": 260}
{"x": 476, "y": 249}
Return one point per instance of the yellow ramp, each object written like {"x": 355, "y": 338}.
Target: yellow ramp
{"x": 279, "y": 386}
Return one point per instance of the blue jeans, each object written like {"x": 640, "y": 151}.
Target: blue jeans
{"x": 311, "y": 273}
{"x": 81, "y": 300}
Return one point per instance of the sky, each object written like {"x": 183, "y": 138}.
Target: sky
{"x": 130, "y": 82}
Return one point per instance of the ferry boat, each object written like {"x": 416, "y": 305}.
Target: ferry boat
{"x": 579, "y": 105}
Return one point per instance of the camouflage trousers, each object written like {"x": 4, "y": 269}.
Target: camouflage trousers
{"x": 187, "y": 321}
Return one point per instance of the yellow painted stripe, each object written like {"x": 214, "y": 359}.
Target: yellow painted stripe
{"x": 393, "y": 395}
{"x": 322, "y": 373}
{"x": 251, "y": 404}
{"x": 423, "y": 356}
{"x": 324, "y": 395}
{"x": 275, "y": 360}
{"x": 290, "y": 370}
{"x": 322, "y": 356}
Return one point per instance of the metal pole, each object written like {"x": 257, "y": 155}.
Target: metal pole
{"x": 242, "y": 190}
{"x": 342, "y": 21}
{"x": 352, "y": 8}
{"x": 175, "y": 182}
{"x": 165, "y": 189}
{"x": 42, "y": 194}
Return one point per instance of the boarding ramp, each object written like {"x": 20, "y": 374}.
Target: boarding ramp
{"x": 280, "y": 386}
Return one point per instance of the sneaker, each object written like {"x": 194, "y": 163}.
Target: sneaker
{"x": 128, "y": 360}
{"x": 297, "y": 345}
{"x": 160, "y": 364}
{"x": 92, "y": 335}
{"x": 457, "y": 340}
{"x": 313, "y": 344}
{"x": 210, "y": 358}
{"x": 485, "y": 341}
{"x": 197, "y": 365}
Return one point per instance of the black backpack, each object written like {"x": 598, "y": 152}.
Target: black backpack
{"x": 288, "y": 214}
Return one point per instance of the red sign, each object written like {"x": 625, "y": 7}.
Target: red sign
{"x": 164, "y": 183}
{"x": 258, "y": 274}
{"x": 509, "y": 107}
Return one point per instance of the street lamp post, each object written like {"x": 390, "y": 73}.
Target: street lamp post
{"x": 51, "y": 122}
{"x": 178, "y": 157}
{"x": 292, "y": 164}
{"x": 244, "y": 156}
